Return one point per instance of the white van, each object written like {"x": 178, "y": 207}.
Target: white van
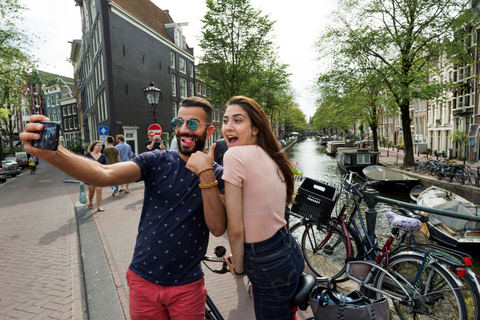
{"x": 22, "y": 159}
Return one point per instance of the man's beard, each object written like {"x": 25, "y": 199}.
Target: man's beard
{"x": 199, "y": 143}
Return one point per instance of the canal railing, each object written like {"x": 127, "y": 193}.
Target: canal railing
{"x": 372, "y": 197}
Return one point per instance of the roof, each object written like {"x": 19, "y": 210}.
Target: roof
{"x": 147, "y": 12}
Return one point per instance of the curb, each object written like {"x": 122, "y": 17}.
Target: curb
{"x": 101, "y": 297}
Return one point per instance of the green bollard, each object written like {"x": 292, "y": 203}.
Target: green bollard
{"x": 82, "y": 198}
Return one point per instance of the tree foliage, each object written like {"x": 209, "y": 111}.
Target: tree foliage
{"x": 401, "y": 41}
{"x": 239, "y": 56}
{"x": 15, "y": 62}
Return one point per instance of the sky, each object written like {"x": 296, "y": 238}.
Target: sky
{"x": 296, "y": 29}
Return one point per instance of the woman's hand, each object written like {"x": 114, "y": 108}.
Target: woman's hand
{"x": 231, "y": 267}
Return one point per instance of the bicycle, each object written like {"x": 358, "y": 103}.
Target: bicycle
{"x": 447, "y": 170}
{"x": 466, "y": 175}
{"x": 300, "y": 300}
{"x": 323, "y": 250}
{"x": 33, "y": 168}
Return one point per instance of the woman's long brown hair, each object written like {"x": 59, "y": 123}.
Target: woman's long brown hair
{"x": 266, "y": 139}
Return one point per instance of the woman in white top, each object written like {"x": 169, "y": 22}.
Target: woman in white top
{"x": 258, "y": 185}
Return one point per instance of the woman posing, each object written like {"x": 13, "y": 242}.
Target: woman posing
{"x": 258, "y": 185}
{"x": 95, "y": 153}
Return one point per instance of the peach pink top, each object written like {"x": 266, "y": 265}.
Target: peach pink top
{"x": 264, "y": 190}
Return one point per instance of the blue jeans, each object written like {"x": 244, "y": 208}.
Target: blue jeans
{"x": 274, "y": 267}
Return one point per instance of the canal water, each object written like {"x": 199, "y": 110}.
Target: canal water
{"x": 316, "y": 164}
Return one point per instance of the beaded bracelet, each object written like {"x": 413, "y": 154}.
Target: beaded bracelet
{"x": 198, "y": 174}
{"x": 210, "y": 185}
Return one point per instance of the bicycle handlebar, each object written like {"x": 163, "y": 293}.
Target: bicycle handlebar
{"x": 356, "y": 188}
{"x": 219, "y": 251}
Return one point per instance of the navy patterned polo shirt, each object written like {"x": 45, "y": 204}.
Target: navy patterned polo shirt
{"x": 172, "y": 233}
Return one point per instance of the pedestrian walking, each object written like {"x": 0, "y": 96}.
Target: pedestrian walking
{"x": 113, "y": 156}
{"x": 182, "y": 204}
{"x": 95, "y": 153}
{"x": 125, "y": 155}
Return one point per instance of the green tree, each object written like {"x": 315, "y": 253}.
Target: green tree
{"x": 460, "y": 138}
{"x": 239, "y": 56}
{"x": 15, "y": 62}
{"x": 402, "y": 41}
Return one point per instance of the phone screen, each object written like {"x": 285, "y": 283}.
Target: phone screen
{"x": 49, "y": 136}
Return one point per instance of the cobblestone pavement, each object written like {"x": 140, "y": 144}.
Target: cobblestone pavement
{"x": 39, "y": 265}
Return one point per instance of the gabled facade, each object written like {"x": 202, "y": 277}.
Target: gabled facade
{"x": 126, "y": 45}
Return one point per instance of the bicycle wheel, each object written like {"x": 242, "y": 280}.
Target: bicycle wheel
{"x": 471, "y": 179}
{"x": 416, "y": 167}
{"x": 326, "y": 258}
{"x": 297, "y": 231}
{"x": 436, "y": 295}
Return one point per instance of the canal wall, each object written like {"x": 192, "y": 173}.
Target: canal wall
{"x": 469, "y": 192}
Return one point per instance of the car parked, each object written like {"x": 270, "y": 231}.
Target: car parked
{"x": 11, "y": 166}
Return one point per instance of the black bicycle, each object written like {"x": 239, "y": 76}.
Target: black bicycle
{"x": 301, "y": 298}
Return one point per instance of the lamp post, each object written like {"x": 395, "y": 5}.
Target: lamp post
{"x": 153, "y": 94}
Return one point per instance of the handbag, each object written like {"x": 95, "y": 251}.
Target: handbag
{"x": 329, "y": 304}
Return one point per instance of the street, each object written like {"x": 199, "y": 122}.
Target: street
{"x": 39, "y": 276}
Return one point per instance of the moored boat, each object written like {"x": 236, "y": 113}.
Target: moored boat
{"x": 353, "y": 159}
{"x": 390, "y": 180}
{"x": 463, "y": 235}
{"x": 332, "y": 146}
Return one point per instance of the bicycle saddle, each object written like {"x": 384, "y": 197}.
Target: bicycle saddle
{"x": 404, "y": 223}
{"x": 301, "y": 298}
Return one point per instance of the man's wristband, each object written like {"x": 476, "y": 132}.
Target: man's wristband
{"x": 239, "y": 274}
{"x": 206, "y": 186}
{"x": 202, "y": 171}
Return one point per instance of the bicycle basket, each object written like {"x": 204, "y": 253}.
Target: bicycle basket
{"x": 315, "y": 200}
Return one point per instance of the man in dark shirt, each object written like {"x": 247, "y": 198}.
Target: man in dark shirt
{"x": 182, "y": 204}
{"x": 154, "y": 142}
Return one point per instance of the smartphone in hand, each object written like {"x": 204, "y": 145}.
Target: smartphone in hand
{"x": 49, "y": 136}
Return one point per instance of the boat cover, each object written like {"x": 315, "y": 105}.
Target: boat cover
{"x": 455, "y": 223}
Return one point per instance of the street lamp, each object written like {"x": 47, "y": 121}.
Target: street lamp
{"x": 153, "y": 94}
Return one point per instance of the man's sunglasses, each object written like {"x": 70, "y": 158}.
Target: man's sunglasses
{"x": 192, "y": 124}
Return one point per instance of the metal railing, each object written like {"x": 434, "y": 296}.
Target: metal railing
{"x": 372, "y": 198}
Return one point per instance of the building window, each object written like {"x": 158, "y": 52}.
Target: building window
{"x": 174, "y": 85}
{"x": 191, "y": 69}
{"x": 204, "y": 91}
{"x": 65, "y": 124}
{"x": 192, "y": 89}
{"x": 183, "y": 88}
{"x": 182, "y": 65}
{"x": 175, "y": 110}
{"x": 74, "y": 109}
{"x": 172, "y": 60}
{"x": 199, "y": 88}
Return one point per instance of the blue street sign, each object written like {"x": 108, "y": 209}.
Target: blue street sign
{"x": 103, "y": 131}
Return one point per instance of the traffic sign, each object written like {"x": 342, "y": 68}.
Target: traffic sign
{"x": 103, "y": 131}
{"x": 156, "y": 129}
